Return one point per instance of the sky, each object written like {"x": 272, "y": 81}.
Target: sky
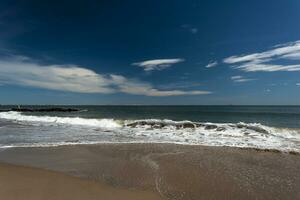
{"x": 192, "y": 52}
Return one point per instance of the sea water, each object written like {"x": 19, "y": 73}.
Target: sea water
{"x": 261, "y": 127}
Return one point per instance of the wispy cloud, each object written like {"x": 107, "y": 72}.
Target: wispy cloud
{"x": 263, "y": 61}
{"x": 180, "y": 84}
{"x": 158, "y": 64}
{"x": 192, "y": 29}
{"x": 212, "y": 64}
{"x": 298, "y": 84}
{"x": 240, "y": 79}
{"x": 20, "y": 70}
{"x": 268, "y": 90}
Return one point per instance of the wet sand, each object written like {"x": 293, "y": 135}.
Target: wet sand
{"x": 172, "y": 171}
{"x": 20, "y": 183}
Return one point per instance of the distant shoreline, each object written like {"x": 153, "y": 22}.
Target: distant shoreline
{"x": 225, "y": 105}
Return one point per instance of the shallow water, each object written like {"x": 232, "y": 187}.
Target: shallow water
{"x": 264, "y": 127}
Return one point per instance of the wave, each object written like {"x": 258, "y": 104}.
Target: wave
{"x": 233, "y": 129}
{"x": 103, "y": 123}
{"x": 156, "y": 123}
{"x": 243, "y": 135}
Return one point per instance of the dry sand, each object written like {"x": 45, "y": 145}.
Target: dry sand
{"x": 176, "y": 172}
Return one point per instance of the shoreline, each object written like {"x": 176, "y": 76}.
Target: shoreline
{"x": 255, "y": 149}
{"x": 171, "y": 170}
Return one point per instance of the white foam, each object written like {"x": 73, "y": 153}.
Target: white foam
{"x": 244, "y": 135}
{"x": 103, "y": 123}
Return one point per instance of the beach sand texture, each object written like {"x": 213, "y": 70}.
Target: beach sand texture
{"x": 21, "y": 183}
{"x": 169, "y": 171}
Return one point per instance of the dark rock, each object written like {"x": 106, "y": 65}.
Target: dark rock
{"x": 199, "y": 125}
{"x": 210, "y": 126}
{"x": 5, "y": 110}
{"x": 188, "y": 125}
{"x": 178, "y": 126}
{"x": 254, "y": 128}
{"x": 158, "y": 125}
{"x": 22, "y": 109}
{"x": 258, "y": 129}
{"x": 41, "y": 110}
{"x": 132, "y": 125}
{"x": 240, "y": 126}
{"x": 221, "y": 129}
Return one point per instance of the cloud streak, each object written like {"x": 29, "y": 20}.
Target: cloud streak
{"x": 240, "y": 79}
{"x": 263, "y": 61}
{"x": 158, "y": 64}
{"x": 211, "y": 64}
{"x": 22, "y": 71}
{"x": 192, "y": 29}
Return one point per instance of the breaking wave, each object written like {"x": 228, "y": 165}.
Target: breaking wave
{"x": 103, "y": 123}
{"x": 90, "y": 131}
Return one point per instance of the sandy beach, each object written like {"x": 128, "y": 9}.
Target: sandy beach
{"x": 35, "y": 184}
{"x": 153, "y": 171}
{"x": 150, "y": 100}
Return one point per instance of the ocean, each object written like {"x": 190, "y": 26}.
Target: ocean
{"x": 260, "y": 127}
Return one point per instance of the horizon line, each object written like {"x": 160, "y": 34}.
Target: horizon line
{"x": 149, "y": 105}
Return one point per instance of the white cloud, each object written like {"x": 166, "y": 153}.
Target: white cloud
{"x": 211, "y": 64}
{"x": 236, "y": 77}
{"x": 56, "y": 77}
{"x": 262, "y": 61}
{"x": 71, "y": 78}
{"x": 298, "y": 84}
{"x": 158, "y": 64}
{"x": 292, "y": 56}
{"x": 253, "y": 67}
{"x": 240, "y": 79}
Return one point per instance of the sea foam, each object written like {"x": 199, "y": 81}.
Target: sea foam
{"x": 91, "y": 131}
{"x": 102, "y": 123}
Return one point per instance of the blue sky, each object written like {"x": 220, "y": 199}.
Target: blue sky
{"x": 150, "y": 52}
